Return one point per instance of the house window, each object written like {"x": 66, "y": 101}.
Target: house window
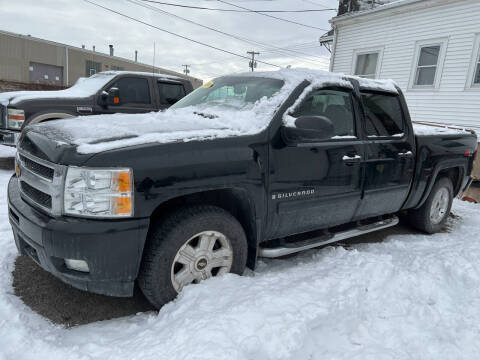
{"x": 117, "y": 68}
{"x": 476, "y": 79}
{"x": 427, "y": 65}
{"x": 429, "y": 58}
{"x": 474, "y": 74}
{"x": 366, "y": 64}
{"x": 92, "y": 67}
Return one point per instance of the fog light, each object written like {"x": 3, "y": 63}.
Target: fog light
{"x": 77, "y": 265}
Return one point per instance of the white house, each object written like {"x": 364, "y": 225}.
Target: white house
{"x": 431, "y": 48}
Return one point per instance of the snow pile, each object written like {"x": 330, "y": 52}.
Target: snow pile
{"x": 434, "y": 129}
{"x": 7, "y": 151}
{"x": 367, "y": 4}
{"x": 411, "y": 297}
{"x": 105, "y": 132}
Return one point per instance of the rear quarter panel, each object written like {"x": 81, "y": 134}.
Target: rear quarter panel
{"x": 434, "y": 154}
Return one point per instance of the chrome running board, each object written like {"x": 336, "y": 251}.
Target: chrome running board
{"x": 364, "y": 229}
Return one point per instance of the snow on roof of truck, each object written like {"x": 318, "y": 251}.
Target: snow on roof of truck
{"x": 126, "y": 72}
{"x": 84, "y": 87}
{"x": 99, "y": 133}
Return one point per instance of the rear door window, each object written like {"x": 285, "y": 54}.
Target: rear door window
{"x": 383, "y": 115}
{"x": 170, "y": 93}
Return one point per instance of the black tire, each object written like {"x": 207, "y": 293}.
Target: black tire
{"x": 167, "y": 237}
{"x": 420, "y": 218}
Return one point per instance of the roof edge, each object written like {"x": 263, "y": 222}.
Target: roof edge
{"x": 398, "y": 6}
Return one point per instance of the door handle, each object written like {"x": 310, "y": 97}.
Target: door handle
{"x": 405, "y": 155}
{"x": 354, "y": 159}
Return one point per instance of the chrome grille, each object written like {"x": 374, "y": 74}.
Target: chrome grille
{"x": 37, "y": 168}
{"x": 38, "y": 196}
{"x": 41, "y": 182}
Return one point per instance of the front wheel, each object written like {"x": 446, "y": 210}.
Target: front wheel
{"x": 433, "y": 214}
{"x": 191, "y": 245}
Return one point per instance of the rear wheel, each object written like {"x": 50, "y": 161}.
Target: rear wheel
{"x": 191, "y": 245}
{"x": 433, "y": 214}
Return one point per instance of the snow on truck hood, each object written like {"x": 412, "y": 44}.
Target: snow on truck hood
{"x": 84, "y": 87}
{"x": 94, "y": 134}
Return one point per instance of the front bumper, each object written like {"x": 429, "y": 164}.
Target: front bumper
{"x": 9, "y": 137}
{"x": 112, "y": 248}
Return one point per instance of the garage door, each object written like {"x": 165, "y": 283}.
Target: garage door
{"x": 46, "y": 74}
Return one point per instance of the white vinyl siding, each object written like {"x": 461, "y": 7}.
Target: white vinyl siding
{"x": 455, "y": 100}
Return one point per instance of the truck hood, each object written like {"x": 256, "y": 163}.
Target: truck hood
{"x": 94, "y": 134}
{"x": 83, "y": 88}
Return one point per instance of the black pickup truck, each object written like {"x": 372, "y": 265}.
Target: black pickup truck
{"x": 264, "y": 164}
{"x": 103, "y": 93}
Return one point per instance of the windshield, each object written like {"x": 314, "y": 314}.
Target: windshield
{"x": 232, "y": 92}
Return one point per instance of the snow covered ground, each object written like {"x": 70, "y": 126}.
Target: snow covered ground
{"x": 410, "y": 297}
{"x": 7, "y": 151}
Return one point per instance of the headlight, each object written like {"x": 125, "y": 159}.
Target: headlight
{"x": 98, "y": 192}
{"x": 15, "y": 119}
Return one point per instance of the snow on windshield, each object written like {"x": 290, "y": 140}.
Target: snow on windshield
{"x": 84, "y": 87}
{"x": 198, "y": 122}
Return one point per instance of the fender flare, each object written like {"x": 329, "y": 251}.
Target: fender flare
{"x": 444, "y": 165}
{"x": 46, "y": 116}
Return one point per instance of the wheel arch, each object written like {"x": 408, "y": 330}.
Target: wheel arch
{"x": 455, "y": 172}
{"x": 49, "y": 116}
{"x": 235, "y": 201}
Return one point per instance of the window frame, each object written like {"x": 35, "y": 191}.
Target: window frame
{"x": 375, "y": 50}
{"x": 474, "y": 64}
{"x": 92, "y": 69}
{"x": 364, "y": 122}
{"x": 133, "y": 105}
{"x": 443, "y": 43}
{"x": 350, "y": 93}
{"x": 161, "y": 96}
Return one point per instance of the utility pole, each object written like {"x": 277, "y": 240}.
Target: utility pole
{"x": 186, "y": 71}
{"x": 153, "y": 65}
{"x": 253, "y": 63}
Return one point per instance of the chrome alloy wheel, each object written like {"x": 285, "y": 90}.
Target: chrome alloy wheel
{"x": 439, "y": 205}
{"x": 204, "y": 255}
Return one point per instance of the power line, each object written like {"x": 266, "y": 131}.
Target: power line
{"x": 270, "y": 48}
{"x": 240, "y": 11}
{"x": 271, "y": 16}
{"x": 317, "y": 4}
{"x": 172, "y": 33}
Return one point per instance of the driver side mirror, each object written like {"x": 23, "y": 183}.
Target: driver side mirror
{"x": 112, "y": 97}
{"x": 308, "y": 129}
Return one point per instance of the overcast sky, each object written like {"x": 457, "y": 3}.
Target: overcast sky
{"x": 76, "y": 22}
